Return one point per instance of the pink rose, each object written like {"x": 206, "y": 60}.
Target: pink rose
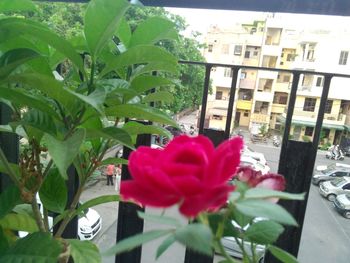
{"x": 256, "y": 179}
{"x": 189, "y": 172}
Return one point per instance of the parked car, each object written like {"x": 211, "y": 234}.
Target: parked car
{"x": 330, "y": 173}
{"x": 89, "y": 223}
{"x": 331, "y": 189}
{"x": 233, "y": 249}
{"x": 249, "y": 161}
{"x": 255, "y": 155}
{"x": 342, "y": 205}
{"x": 331, "y": 166}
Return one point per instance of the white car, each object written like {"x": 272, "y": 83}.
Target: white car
{"x": 89, "y": 224}
{"x": 331, "y": 189}
{"x": 332, "y": 166}
{"x": 249, "y": 161}
{"x": 233, "y": 249}
{"x": 255, "y": 155}
{"x": 342, "y": 205}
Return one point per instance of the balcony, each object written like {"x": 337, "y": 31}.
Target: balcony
{"x": 250, "y": 62}
{"x": 260, "y": 118}
{"x": 220, "y": 104}
{"x": 278, "y": 108}
{"x": 263, "y": 96}
{"x": 282, "y": 87}
{"x": 247, "y": 84}
{"x": 244, "y": 104}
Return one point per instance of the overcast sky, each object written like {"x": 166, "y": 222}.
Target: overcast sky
{"x": 201, "y": 19}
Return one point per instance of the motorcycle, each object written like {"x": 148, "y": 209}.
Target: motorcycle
{"x": 335, "y": 156}
{"x": 275, "y": 141}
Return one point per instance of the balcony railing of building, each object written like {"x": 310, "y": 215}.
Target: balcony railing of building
{"x": 297, "y": 173}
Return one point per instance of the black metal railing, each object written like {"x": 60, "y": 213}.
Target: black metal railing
{"x": 296, "y": 159}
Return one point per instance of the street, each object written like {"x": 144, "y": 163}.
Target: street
{"x": 325, "y": 238}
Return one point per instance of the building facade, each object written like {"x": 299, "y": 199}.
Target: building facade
{"x": 262, "y": 96}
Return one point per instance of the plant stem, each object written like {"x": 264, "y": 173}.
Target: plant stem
{"x": 72, "y": 207}
{"x": 223, "y": 252}
{"x": 37, "y": 215}
{"x": 46, "y": 219}
{"x": 8, "y": 168}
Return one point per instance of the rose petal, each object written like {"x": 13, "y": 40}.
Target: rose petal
{"x": 131, "y": 190}
{"x": 225, "y": 160}
{"x": 142, "y": 157}
{"x": 271, "y": 181}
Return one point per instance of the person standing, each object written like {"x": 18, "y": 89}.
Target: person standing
{"x": 110, "y": 172}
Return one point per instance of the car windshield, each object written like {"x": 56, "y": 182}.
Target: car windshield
{"x": 338, "y": 181}
{"x": 329, "y": 169}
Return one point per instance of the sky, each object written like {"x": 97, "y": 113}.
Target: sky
{"x": 201, "y": 19}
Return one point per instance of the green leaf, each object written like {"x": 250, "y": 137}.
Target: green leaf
{"x": 145, "y": 83}
{"x": 15, "y": 169}
{"x": 163, "y": 96}
{"x": 9, "y": 198}
{"x": 97, "y": 201}
{"x": 153, "y": 30}
{"x": 124, "y": 32}
{"x": 47, "y": 85}
{"x": 113, "y": 133}
{"x": 229, "y": 230}
{"x": 53, "y": 192}
{"x": 64, "y": 152}
{"x": 95, "y": 99}
{"x": 21, "y": 97}
{"x": 102, "y": 18}
{"x": 114, "y": 161}
{"x": 37, "y": 247}
{"x": 197, "y": 237}
{"x": 16, "y": 5}
{"x": 282, "y": 255}
{"x": 140, "y": 112}
{"x": 84, "y": 251}
{"x": 19, "y": 222}
{"x": 159, "y": 66}
{"x": 12, "y": 59}
{"x": 260, "y": 193}
{"x": 264, "y": 232}
{"x": 139, "y": 55}
{"x": 265, "y": 209}
{"x": 136, "y": 128}
{"x": 159, "y": 219}
{"x": 135, "y": 241}
{"x": 4, "y": 243}
{"x": 165, "y": 245}
{"x": 12, "y": 27}
{"x": 6, "y": 128}
{"x": 39, "y": 120}
{"x": 24, "y": 209}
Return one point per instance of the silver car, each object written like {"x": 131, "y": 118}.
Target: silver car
{"x": 331, "y": 189}
{"x": 330, "y": 173}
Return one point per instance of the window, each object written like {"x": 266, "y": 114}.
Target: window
{"x": 309, "y": 104}
{"x": 343, "y": 58}
{"x": 290, "y": 57}
{"x": 246, "y": 114}
{"x": 218, "y": 95}
{"x": 228, "y": 73}
{"x": 217, "y": 117}
{"x": 238, "y": 50}
{"x": 210, "y": 48}
{"x": 280, "y": 98}
{"x": 341, "y": 174}
{"x": 247, "y": 54}
{"x": 309, "y": 131}
{"x": 328, "y": 108}
{"x": 256, "y": 53}
{"x": 286, "y": 78}
{"x": 225, "y": 48}
{"x": 319, "y": 81}
{"x": 243, "y": 75}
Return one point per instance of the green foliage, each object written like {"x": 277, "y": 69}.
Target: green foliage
{"x": 9, "y": 199}
{"x": 84, "y": 251}
{"x": 306, "y": 138}
{"x": 37, "y": 247}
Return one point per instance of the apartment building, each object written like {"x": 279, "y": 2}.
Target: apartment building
{"x": 261, "y": 96}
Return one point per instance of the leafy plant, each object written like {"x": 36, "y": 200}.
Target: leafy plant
{"x": 108, "y": 76}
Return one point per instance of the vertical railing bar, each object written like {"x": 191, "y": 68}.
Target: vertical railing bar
{"x": 204, "y": 98}
{"x": 291, "y": 104}
{"x": 321, "y": 110}
{"x": 231, "y": 102}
